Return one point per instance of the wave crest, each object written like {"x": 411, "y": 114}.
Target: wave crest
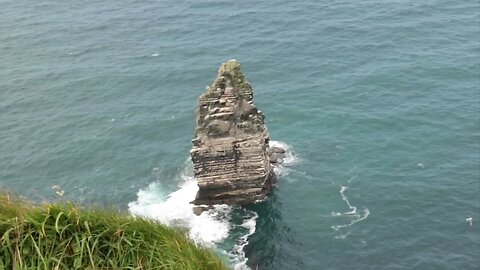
{"x": 211, "y": 228}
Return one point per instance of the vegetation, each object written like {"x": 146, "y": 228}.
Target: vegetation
{"x": 63, "y": 236}
{"x": 233, "y": 71}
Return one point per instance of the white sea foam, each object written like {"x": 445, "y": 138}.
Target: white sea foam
{"x": 342, "y": 236}
{"x": 212, "y": 226}
{"x": 284, "y": 169}
{"x": 237, "y": 254}
{"x": 208, "y": 228}
{"x": 335, "y": 214}
{"x": 353, "y": 209}
{"x": 469, "y": 220}
{"x": 357, "y": 219}
{"x": 354, "y": 215}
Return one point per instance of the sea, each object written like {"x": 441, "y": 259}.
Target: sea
{"x": 377, "y": 103}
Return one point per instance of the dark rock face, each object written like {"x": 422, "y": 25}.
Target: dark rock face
{"x": 230, "y": 151}
{"x": 276, "y": 155}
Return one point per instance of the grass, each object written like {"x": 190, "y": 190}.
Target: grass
{"x": 63, "y": 236}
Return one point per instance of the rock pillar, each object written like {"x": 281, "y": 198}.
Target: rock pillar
{"x": 230, "y": 149}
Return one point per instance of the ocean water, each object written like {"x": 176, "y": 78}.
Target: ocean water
{"x": 378, "y": 103}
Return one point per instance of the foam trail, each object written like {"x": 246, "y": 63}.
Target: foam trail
{"x": 345, "y": 198}
{"x": 353, "y": 214}
{"x": 237, "y": 254}
{"x": 366, "y": 213}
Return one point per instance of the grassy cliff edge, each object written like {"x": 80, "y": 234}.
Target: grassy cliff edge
{"x": 63, "y": 236}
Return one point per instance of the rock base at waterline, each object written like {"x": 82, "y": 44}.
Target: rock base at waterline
{"x": 231, "y": 154}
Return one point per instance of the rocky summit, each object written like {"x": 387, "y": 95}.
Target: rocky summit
{"x": 231, "y": 153}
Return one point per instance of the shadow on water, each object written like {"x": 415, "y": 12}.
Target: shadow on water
{"x": 267, "y": 248}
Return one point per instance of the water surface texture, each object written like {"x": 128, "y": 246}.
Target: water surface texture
{"x": 377, "y": 101}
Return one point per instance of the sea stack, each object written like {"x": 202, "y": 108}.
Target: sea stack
{"x": 230, "y": 151}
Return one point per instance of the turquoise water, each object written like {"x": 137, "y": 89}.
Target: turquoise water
{"x": 378, "y": 102}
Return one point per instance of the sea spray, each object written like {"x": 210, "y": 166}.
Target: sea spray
{"x": 213, "y": 228}
{"x": 208, "y": 228}
{"x": 291, "y": 158}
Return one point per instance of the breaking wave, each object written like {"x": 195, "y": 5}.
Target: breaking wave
{"x": 291, "y": 158}
{"x": 225, "y": 227}
{"x": 207, "y": 229}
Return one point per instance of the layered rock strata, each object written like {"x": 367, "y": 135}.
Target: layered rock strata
{"x": 230, "y": 151}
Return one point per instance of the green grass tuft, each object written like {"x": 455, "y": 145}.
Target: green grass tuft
{"x": 63, "y": 236}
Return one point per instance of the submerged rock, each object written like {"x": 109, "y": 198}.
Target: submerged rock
{"x": 230, "y": 151}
